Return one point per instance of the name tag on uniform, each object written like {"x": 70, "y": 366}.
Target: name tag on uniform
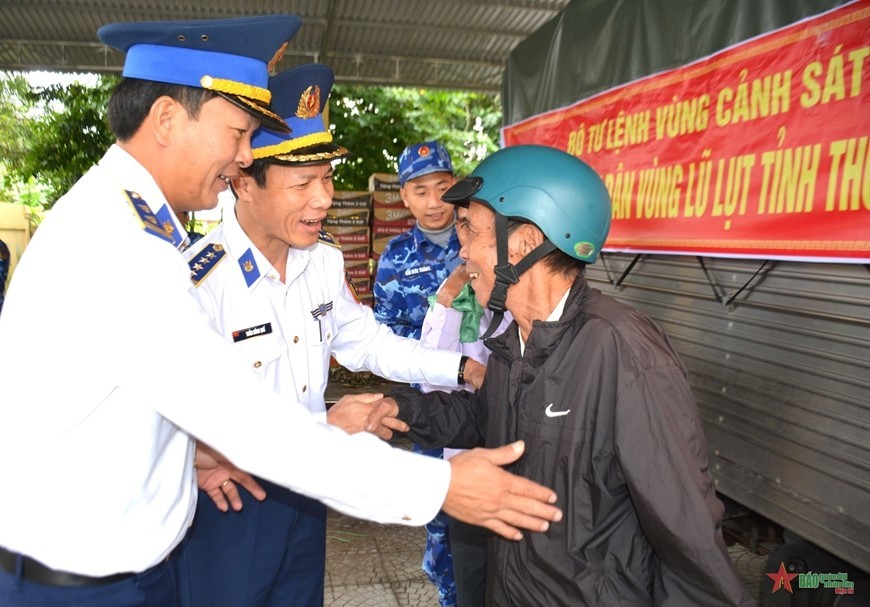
{"x": 243, "y": 334}
{"x": 415, "y": 271}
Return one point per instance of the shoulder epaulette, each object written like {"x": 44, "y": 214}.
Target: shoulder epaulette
{"x": 327, "y": 238}
{"x": 157, "y": 224}
{"x": 205, "y": 262}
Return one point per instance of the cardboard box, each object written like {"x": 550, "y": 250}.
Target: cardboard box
{"x": 352, "y": 200}
{"x": 350, "y": 235}
{"x": 362, "y": 285}
{"x": 394, "y": 215}
{"x": 359, "y": 273}
{"x": 344, "y": 230}
{"x": 384, "y": 182}
{"x": 379, "y": 243}
{"x": 347, "y": 212}
{"x": 347, "y": 217}
{"x": 387, "y": 199}
{"x": 359, "y": 267}
{"x": 389, "y": 230}
{"x": 355, "y": 252}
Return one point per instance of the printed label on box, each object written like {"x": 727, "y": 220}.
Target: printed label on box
{"x": 358, "y": 237}
{"x": 390, "y": 229}
{"x": 352, "y": 220}
{"x": 387, "y": 199}
{"x": 384, "y": 182}
{"x": 351, "y": 200}
{"x": 359, "y": 254}
{"x": 393, "y": 214}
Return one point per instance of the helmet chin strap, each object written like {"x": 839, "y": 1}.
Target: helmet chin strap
{"x": 506, "y": 273}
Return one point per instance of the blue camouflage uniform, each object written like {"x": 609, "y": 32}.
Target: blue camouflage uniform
{"x": 410, "y": 269}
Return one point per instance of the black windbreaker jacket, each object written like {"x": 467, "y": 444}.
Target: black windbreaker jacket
{"x": 602, "y": 401}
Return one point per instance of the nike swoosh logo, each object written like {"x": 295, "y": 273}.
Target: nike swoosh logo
{"x": 550, "y": 413}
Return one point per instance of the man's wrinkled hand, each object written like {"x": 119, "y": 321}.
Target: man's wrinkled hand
{"x": 483, "y": 494}
{"x": 351, "y": 411}
{"x": 451, "y": 287}
{"x": 382, "y": 420}
{"x": 218, "y": 477}
{"x": 474, "y": 373}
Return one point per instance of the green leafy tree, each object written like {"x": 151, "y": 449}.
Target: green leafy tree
{"x": 61, "y": 130}
{"x": 16, "y": 135}
{"x": 15, "y": 131}
{"x": 375, "y": 124}
{"x": 70, "y": 136}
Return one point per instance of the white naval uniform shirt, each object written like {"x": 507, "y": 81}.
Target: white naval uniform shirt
{"x": 109, "y": 364}
{"x": 288, "y": 331}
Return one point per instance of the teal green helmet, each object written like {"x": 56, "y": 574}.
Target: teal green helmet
{"x": 551, "y": 189}
{"x": 557, "y": 192}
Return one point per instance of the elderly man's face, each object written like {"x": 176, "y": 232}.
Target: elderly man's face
{"x": 479, "y": 249}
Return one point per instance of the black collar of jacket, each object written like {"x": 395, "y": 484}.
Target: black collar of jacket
{"x": 545, "y": 335}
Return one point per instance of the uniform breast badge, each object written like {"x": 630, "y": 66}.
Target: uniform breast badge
{"x": 320, "y": 312}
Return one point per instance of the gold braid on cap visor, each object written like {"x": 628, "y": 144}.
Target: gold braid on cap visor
{"x": 236, "y": 88}
{"x": 260, "y": 109}
{"x": 290, "y": 145}
{"x": 319, "y": 156}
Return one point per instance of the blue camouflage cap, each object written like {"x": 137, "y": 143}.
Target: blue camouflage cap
{"x": 299, "y": 96}
{"x": 423, "y": 158}
{"x": 232, "y": 57}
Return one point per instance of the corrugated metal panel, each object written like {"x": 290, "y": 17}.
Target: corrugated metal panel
{"x": 782, "y": 380}
{"x": 445, "y": 44}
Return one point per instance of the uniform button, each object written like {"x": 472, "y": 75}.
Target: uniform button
{"x": 258, "y": 364}
{"x": 304, "y": 388}
{"x": 329, "y": 336}
{"x": 295, "y": 339}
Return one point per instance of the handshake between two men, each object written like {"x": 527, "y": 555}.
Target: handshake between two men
{"x": 480, "y": 491}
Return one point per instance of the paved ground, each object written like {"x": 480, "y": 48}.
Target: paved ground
{"x": 371, "y": 565}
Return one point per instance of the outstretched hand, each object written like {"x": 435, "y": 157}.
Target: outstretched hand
{"x": 482, "y": 493}
{"x": 217, "y": 476}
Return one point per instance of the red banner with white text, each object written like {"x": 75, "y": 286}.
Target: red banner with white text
{"x": 759, "y": 151}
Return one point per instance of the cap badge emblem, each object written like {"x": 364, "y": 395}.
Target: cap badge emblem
{"x": 423, "y": 151}
{"x": 309, "y": 102}
{"x": 279, "y": 54}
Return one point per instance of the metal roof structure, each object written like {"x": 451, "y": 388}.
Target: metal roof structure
{"x": 449, "y": 44}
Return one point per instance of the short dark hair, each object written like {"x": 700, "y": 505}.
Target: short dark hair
{"x": 132, "y": 100}
{"x": 560, "y": 262}
{"x": 556, "y": 261}
{"x": 257, "y": 171}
